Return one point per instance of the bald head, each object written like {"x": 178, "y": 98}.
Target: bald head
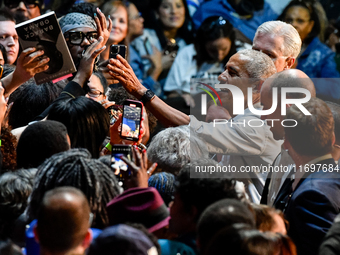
{"x": 291, "y": 78}
{"x": 63, "y": 219}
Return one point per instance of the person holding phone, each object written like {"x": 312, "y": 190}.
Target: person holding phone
{"x": 118, "y": 16}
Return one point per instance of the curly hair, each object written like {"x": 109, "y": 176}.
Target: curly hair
{"x": 15, "y": 188}
{"x": 75, "y": 168}
{"x": 8, "y": 150}
{"x": 174, "y": 147}
{"x": 119, "y": 95}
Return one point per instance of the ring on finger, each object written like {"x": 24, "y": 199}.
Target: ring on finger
{"x": 123, "y": 72}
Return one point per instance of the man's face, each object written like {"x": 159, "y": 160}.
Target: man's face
{"x": 266, "y": 101}
{"x": 235, "y": 74}
{"x": 271, "y": 45}
{"x": 25, "y": 12}
{"x": 77, "y": 50}
{"x": 9, "y": 39}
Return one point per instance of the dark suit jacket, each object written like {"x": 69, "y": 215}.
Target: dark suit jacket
{"x": 312, "y": 208}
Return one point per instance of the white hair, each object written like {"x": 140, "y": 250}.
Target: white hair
{"x": 174, "y": 147}
{"x": 258, "y": 65}
{"x": 291, "y": 39}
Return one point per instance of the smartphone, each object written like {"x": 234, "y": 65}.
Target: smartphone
{"x": 132, "y": 120}
{"x": 148, "y": 46}
{"x": 114, "y": 112}
{"x": 119, "y": 165}
{"x": 118, "y": 49}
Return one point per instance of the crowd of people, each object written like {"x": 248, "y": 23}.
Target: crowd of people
{"x": 253, "y": 171}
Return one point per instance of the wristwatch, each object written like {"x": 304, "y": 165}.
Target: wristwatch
{"x": 148, "y": 96}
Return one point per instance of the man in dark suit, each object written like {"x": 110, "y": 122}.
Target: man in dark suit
{"x": 315, "y": 182}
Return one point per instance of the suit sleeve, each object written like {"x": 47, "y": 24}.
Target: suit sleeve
{"x": 310, "y": 216}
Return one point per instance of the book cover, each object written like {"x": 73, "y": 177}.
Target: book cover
{"x": 44, "y": 33}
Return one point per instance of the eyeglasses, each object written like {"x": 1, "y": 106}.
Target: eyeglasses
{"x": 138, "y": 16}
{"x": 15, "y": 3}
{"x": 77, "y": 38}
{"x": 94, "y": 93}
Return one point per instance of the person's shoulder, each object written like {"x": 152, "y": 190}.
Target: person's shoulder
{"x": 325, "y": 184}
{"x": 187, "y": 51}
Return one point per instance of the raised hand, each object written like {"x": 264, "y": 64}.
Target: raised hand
{"x": 139, "y": 173}
{"x": 103, "y": 29}
{"x": 87, "y": 61}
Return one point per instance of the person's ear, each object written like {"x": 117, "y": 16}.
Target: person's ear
{"x": 289, "y": 63}
{"x": 88, "y": 239}
{"x": 286, "y": 144}
{"x": 36, "y": 236}
{"x": 333, "y": 139}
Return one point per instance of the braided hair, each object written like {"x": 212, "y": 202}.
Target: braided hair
{"x": 76, "y": 168}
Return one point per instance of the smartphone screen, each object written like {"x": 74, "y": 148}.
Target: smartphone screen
{"x": 114, "y": 112}
{"x": 132, "y": 117}
{"x": 119, "y": 165}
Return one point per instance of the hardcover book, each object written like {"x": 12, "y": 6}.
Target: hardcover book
{"x": 44, "y": 33}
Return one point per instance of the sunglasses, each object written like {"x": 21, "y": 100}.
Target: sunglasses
{"x": 77, "y": 38}
{"x": 15, "y": 3}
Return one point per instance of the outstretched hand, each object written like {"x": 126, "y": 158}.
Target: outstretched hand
{"x": 139, "y": 173}
{"x": 121, "y": 70}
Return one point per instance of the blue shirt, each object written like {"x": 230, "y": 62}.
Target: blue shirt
{"x": 317, "y": 61}
{"x": 222, "y": 8}
{"x": 137, "y": 66}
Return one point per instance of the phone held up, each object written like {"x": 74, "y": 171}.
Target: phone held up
{"x": 120, "y": 168}
{"x": 114, "y": 111}
{"x": 118, "y": 49}
{"x": 132, "y": 120}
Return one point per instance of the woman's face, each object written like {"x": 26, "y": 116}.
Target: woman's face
{"x": 172, "y": 13}
{"x": 299, "y": 18}
{"x": 96, "y": 89}
{"x": 218, "y": 49}
{"x": 119, "y": 25}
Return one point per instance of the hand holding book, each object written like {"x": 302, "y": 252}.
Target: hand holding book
{"x": 30, "y": 62}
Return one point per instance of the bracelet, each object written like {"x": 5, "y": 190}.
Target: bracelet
{"x": 108, "y": 146}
